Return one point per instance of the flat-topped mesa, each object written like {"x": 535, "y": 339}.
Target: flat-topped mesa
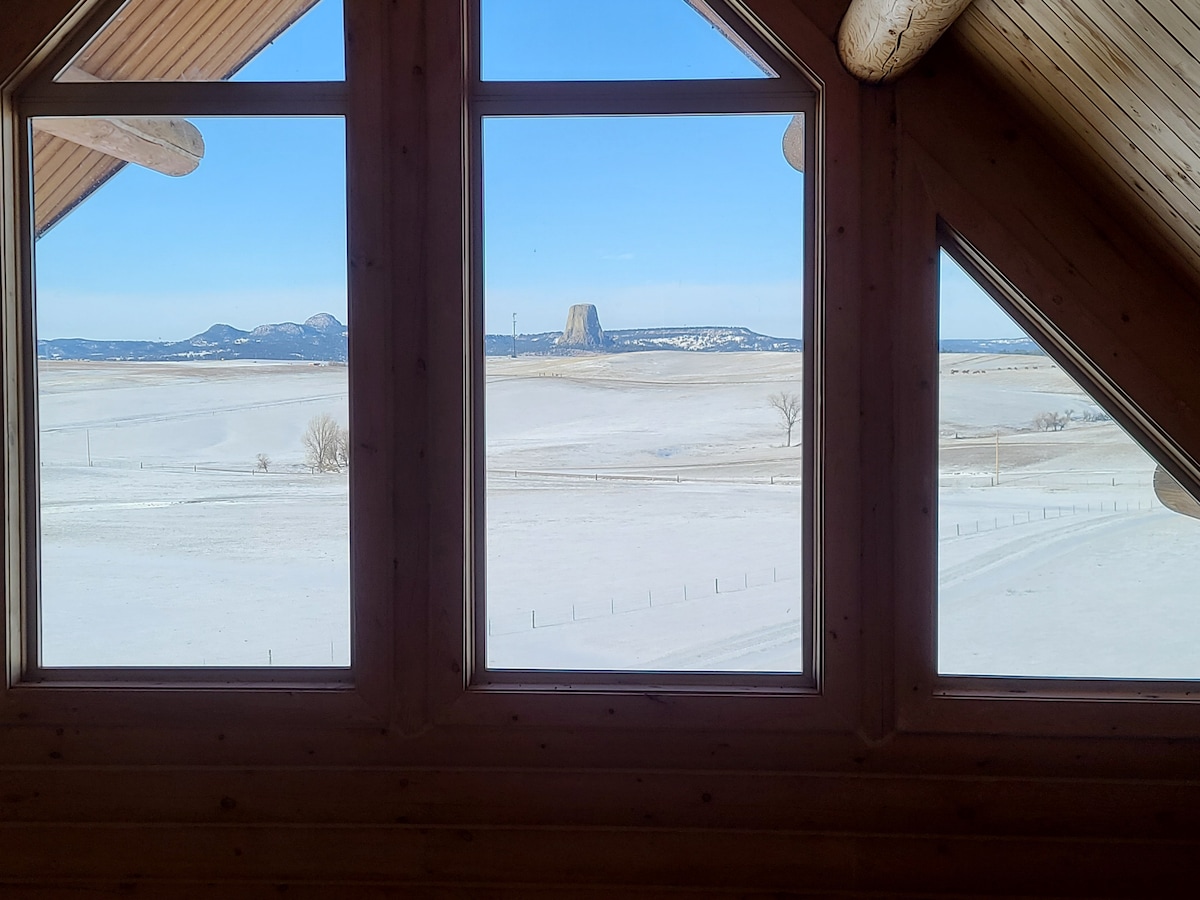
{"x": 583, "y": 329}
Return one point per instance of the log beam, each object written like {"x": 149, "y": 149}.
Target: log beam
{"x": 1172, "y": 494}
{"x": 882, "y": 39}
{"x": 170, "y": 146}
{"x": 793, "y": 143}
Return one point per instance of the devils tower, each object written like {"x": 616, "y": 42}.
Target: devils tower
{"x": 583, "y": 331}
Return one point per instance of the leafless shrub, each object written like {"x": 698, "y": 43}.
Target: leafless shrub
{"x": 262, "y": 462}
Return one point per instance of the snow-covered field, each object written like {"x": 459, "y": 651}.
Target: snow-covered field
{"x": 170, "y": 549}
{"x": 642, "y": 513}
{"x": 1069, "y": 566}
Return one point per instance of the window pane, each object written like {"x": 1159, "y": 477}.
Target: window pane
{"x": 643, "y": 310}
{"x": 577, "y": 40}
{"x": 214, "y": 40}
{"x": 1056, "y": 556}
{"x": 185, "y": 519}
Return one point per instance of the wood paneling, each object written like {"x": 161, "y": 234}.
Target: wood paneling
{"x": 1117, "y": 79}
{"x": 184, "y": 40}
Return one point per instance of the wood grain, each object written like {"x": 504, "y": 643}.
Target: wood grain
{"x": 170, "y": 146}
{"x": 880, "y": 40}
{"x": 1118, "y": 81}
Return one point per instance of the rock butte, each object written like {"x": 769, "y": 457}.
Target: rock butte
{"x": 583, "y": 328}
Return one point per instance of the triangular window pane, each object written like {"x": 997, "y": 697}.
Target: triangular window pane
{"x": 216, "y": 40}
{"x": 1056, "y": 555}
{"x": 580, "y": 40}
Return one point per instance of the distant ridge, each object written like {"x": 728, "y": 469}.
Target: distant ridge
{"x": 704, "y": 339}
{"x": 321, "y": 338}
{"x": 1024, "y": 346}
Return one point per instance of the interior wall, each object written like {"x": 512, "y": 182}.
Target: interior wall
{"x": 883, "y": 810}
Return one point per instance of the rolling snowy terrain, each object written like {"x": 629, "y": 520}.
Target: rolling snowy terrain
{"x": 642, "y": 513}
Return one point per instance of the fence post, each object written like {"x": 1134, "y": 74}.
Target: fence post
{"x": 533, "y": 618}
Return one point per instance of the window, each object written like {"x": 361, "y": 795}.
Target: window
{"x": 642, "y": 495}
{"x": 185, "y": 493}
{"x": 1034, "y": 668}
{"x": 1058, "y": 557}
{"x": 545, "y": 516}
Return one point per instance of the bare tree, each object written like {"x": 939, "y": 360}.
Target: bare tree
{"x": 321, "y": 441}
{"x": 263, "y": 462}
{"x": 789, "y": 406}
{"x": 1050, "y": 421}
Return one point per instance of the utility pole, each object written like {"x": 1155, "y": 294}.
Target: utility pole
{"x": 514, "y": 335}
{"x": 997, "y": 456}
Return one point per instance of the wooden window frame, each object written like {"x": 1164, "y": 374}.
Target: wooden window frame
{"x": 925, "y": 700}
{"x": 407, "y": 92}
{"x": 466, "y": 690}
{"x": 790, "y": 93}
{"x": 130, "y": 694}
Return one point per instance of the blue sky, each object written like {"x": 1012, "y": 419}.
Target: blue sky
{"x": 658, "y": 221}
{"x": 966, "y": 311}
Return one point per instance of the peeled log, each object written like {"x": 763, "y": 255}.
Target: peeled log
{"x": 1172, "y": 494}
{"x": 882, "y": 39}
{"x": 793, "y": 143}
{"x": 170, "y": 146}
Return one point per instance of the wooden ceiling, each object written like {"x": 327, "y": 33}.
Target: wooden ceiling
{"x": 153, "y": 40}
{"x": 1120, "y": 81}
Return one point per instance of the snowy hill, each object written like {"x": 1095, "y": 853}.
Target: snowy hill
{"x": 320, "y": 338}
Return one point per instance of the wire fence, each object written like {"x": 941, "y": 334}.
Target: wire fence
{"x": 248, "y": 469}
{"x": 1063, "y": 480}
{"x": 651, "y": 598}
{"x": 675, "y": 478}
{"x": 1009, "y": 519}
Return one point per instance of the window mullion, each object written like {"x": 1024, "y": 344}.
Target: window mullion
{"x": 194, "y": 98}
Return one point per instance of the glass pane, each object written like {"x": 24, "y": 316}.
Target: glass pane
{"x": 643, "y": 310}
{"x": 577, "y": 40}
{"x": 1056, "y": 556}
{"x": 193, "y": 495}
{"x": 215, "y": 40}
